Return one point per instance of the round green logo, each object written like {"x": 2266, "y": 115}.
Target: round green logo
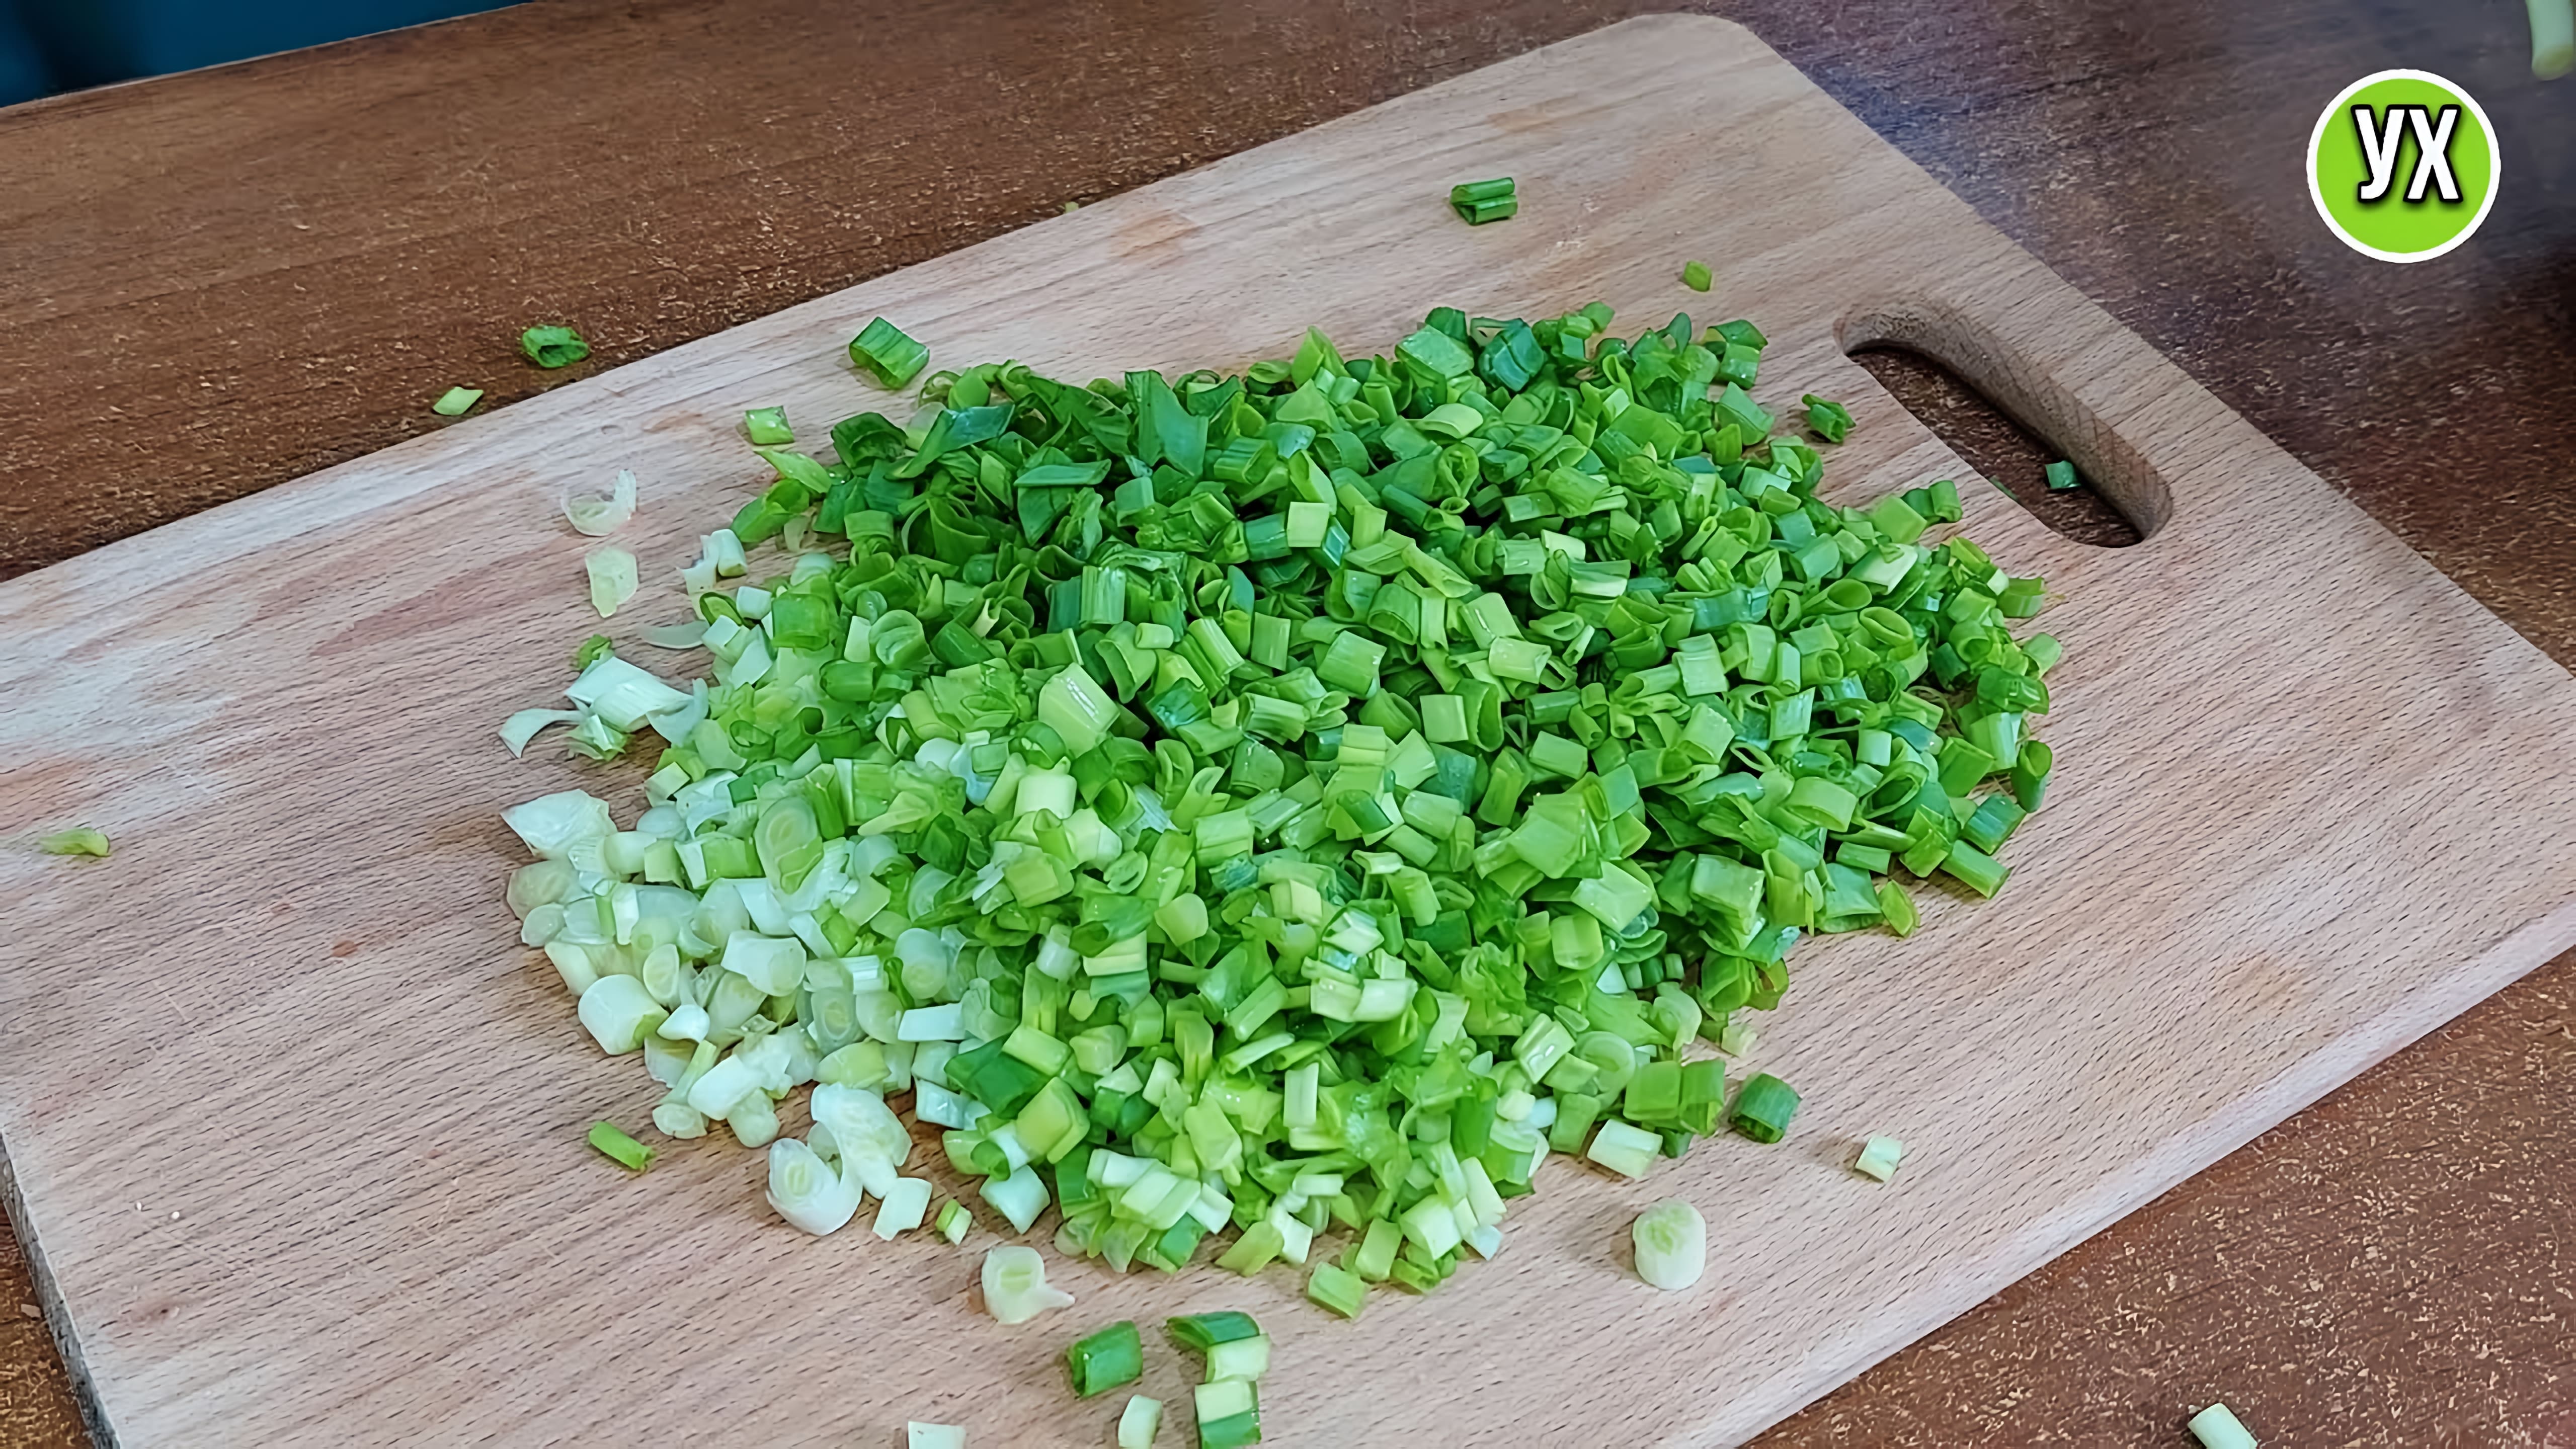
{"x": 2403, "y": 166}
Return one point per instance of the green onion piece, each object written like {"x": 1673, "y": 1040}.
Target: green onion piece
{"x": 1341, "y": 1291}
{"x": 592, "y": 650}
{"x": 1672, "y": 1244}
{"x": 1200, "y": 1332}
{"x": 1099, "y": 1362}
{"x": 1242, "y": 1358}
{"x": 1229, "y": 1414}
{"x": 1624, "y": 1149}
{"x": 1878, "y": 1158}
{"x": 552, "y": 347}
{"x": 1483, "y": 201}
{"x": 456, "y": 402}
{"x": 2217, "y": 1427}
{"x": 1140, "y": 1421}
{"x": 613, "y": 578}
{"x": 1695, "y": 275}
{"x": 954, "y": 1222}
{"x": 918, "y": 1435}
{"x": 598, "y": 517}
{"x": 80, "y": 841}
{"x": 1763, "y": 1108}
{"x": 2553, "y": 37}
{"x": 2061, "y": 475}
{"x": 1979, "y": 871}
{"x": 1830, "y": 421}
{"x": 767, "y": 427}
{"x": 884, "y": 353}
{"x": 630, "y": 1154}
{"x": 1015, "y": 1285}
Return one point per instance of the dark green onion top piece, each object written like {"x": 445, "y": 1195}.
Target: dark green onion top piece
{"x": 1200, "y": 1332}
{"x": 1099, "y": 1362}
{"x": 1479, "y": 202}
{"x": 2061, "y": 475}
{"x": 1763, "y": 1108}
{"x": 1830, "y": 421}
{"x": 553, "y": 346}
{"x": 883, "y": 352}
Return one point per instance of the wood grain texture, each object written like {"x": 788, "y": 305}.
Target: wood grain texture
{"x": 417, "y": 1160}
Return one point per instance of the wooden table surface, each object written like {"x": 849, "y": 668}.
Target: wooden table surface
{"x": 214, "y": 282}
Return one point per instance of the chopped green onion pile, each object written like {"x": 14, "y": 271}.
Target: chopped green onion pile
{"x": 1478, "y": 202}
{"x": 80, "y": 841}
{"x": 456, "y": 402}
{"x": 552, "y": 347}
{"x": 1241, "y": 808}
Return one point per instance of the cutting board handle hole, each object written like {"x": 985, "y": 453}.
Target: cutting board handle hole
{"x": 2008, "y": 422}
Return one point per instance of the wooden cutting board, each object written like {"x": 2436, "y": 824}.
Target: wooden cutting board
{"x": 293, "y": 1126}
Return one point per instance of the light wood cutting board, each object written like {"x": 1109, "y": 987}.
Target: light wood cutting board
{"x": 293, "y": 1126}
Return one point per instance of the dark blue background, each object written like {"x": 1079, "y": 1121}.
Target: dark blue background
{"x": 60, "y": 45}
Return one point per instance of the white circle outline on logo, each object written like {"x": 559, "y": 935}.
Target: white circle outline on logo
{"x": 2495, "y": 164}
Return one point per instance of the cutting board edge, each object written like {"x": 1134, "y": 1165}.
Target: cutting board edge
{"x": 59, "y": 1325}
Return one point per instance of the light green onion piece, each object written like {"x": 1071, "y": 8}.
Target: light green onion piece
{"x": 1242, "y": 1358}
{"x": 1015, "y": 1285}
{"x": 2553, "y": 37}
{"x": 456, "y": 402}
{"x": 599, "y": 517}
{"x": 955, "y": 1221}
{"x": 804, "y": 1189}
{"x": 1672, "y": 1244}
{"x": 902, "y": 1210}
{"x": 79, "y": 841}
{"x": 1627, "y": 1150}
{"x": 918, "y": 1435}
{"x": 1696, "y": 276}
{"x": 1139, "y": 1422}
{"x": 1878, "y": 1158}
{"x": 552, "y": 347}
{"x": 1229, "y": 1414}
{"x": 1343, "y": 1292}
{"x": 1099, "y": 1362}
{"x": 767, "y": 427}
{"x": 2217, "y": 1427}
{"x": 630, "y": 1154}
{"x": 612, "y": 578}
